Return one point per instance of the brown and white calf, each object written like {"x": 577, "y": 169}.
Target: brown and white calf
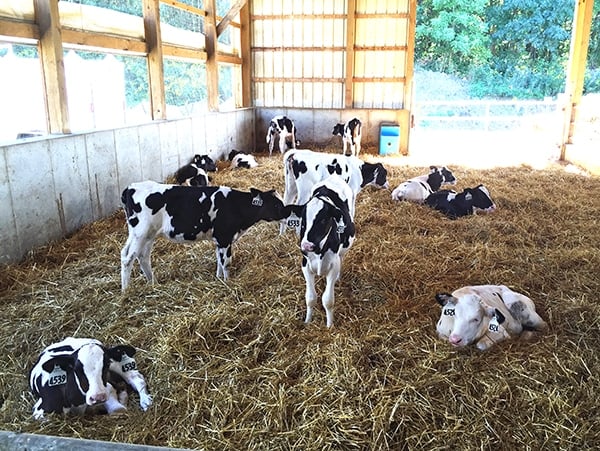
{"x": 327, "y": 232}
{"x": 351, "y": 133}
{"x": 79, "y": 375}
{"x": 484, "y": 315}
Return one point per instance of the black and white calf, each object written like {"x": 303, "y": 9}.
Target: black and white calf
{"x": 79, "y": 375}
{"x": 419, "y": 188}
{"x": 186, "y": 214}
{"x": 351, "y": 133}
{"x": 304, "y": 168}
{"x": 283, "y": 128}
{"x": 327, "y": 232}
{"x": 468, "y": 202}
{"x": 195, "y": 173}
{"x": 241, "y": 159}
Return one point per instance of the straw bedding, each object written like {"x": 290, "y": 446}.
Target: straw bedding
{"x": 232, "y": 366}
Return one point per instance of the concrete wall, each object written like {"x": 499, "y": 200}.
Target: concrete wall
{"x": 50, "y": 187}
{"x": 315, "y": 125}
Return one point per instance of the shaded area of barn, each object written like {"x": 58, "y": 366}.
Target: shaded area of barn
{"x": 232, "y": 366}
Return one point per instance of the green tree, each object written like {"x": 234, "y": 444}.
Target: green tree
{"x": 529, "y": 42}
{"x": 451, "y": 35}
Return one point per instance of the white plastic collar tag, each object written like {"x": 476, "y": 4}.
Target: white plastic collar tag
{"x": 341, "y": 227}
{"x": 58, "y": 376}
{"x": 293, "y": 221}
{"x": 494, "y": 325}
{"x": 257, "y": 201}
{"x": 128, "y": 363}
{"x": 449, "y": 312}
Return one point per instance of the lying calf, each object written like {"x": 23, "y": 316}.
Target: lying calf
{"x": 195, "y": 173}
{"x": 469, "y": 202}
{"x": 419, "y": 188}
{"x": 79, "y": 375}
{"x": 484, "y": 315}
{"x": 240, "y": 159}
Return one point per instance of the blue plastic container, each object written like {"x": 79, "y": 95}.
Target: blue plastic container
{"x": 389, "y": 139}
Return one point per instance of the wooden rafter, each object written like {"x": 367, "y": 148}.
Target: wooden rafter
{"x": 233, "y": 11}
{"x": 155, "y": 59}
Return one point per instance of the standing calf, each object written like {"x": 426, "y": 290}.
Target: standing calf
{"x": 79, "y": 375}
{"x": 327, "y": 232}
{"x": 351, "y": 133}
{"x": 283, "y": 128}
{"x": 186, "y": 214}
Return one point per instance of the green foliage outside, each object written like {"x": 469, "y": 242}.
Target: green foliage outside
{"x": 505, "y": 48}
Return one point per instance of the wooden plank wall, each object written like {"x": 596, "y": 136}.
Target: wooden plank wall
{"x": 334, "y": 54}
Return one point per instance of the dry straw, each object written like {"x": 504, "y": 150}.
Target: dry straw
{"x": 232, "y": 366}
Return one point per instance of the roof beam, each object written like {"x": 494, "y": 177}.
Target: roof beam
{"x": 233, "y": 11}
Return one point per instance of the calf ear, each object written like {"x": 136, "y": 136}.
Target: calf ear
{"x": 499, "y": 316}
{"x": 444, "y": 298}
{"x": 295, "y": 209}
{"x": 66, "y": 362}
{"x": 116, "y": 352}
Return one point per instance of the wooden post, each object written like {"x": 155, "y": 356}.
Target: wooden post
{"x": 53, "y": 66}
{"x": 246, "y": 49}
{"x": 409, "y": 65}
{"x": 155, "y": 59}
{"x": 350, "y": 38}
{"x": 580, "y": 38}
{"x": 212, "y": 66}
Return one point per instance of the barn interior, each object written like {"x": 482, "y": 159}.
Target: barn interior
{"x": 231, "y": 364}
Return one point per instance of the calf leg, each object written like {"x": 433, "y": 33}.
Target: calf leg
{"x": 345, "y": 144}
{"x": 112, "y": 404}
{"x": 328, "y": 295}
{"x": 311, "y": 294}
{"x": 135, "y": 248}
{"x": 223, "y": 259}
{"x": 357, "y": 146}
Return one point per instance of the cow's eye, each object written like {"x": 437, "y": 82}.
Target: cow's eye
{"x": 475, "y": 320}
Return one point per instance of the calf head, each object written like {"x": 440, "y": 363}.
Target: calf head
{"x": 204, "y": 162}
{"x": 79, "y": 377}
{"x": 464, "y": 320}
{"x": 269, "y": 204}
{"x": 374, "y": 174}
{"x": 448, "y": 176}
{"x": 338, "y": 130}
{"x": 480, "y": 198}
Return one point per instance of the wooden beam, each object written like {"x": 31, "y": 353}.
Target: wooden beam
{"x": 409, "y": 65}
{"x": 90, "y": 40}
{"x": 246, "y": 49}
{"x": 156, "y": 73}
{"x": 51, "y": 56}
{"x": 184, "y": 7}
{"x": 580, "y": 39}
{"x": 212, "y": 66}
{"x": 350, "y": 42}
{"x": 233, "y": 11}
{"x": 25, "y": 30}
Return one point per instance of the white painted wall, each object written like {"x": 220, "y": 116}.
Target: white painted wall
{"x": 50, "y": 187}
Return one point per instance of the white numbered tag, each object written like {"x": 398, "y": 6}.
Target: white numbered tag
{"x": 58, "y": 376}
{"x": 257, "y": 201}
{"x": 341, "y": 227}
{"x": 293, "y": 221}
{"x": 494, "y": 326}
{"x": 128, "y": 363}
{"x": 449, "y": 312}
